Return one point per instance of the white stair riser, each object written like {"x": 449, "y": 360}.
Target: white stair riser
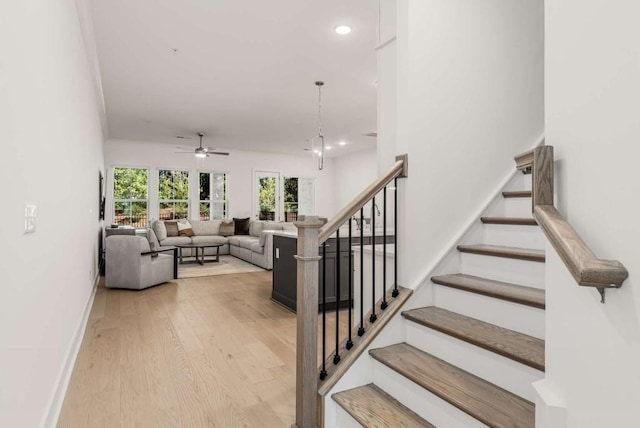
{"x": 514, "y": 236}
{"x": 344, "y": 419}
{"x": 519, "y": 272}
{"x": 430, "y": 407}
{"x": 509, "y": 207}
{"x": 506, "y": 373}
{"x": 517, "y": 207}
{"x": 514, "y": 316}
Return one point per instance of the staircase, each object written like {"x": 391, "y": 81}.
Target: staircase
{"x": 469, "y": 358}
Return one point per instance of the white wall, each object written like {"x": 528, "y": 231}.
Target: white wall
{"x": 352, "y": 174}
{"x": 592, "y": 105}
{"x": 239, "y": 164}
{"x": 51, "y": 140}
{"x": 470, "y": 97}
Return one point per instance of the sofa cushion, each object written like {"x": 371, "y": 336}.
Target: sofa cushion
{"x": 243, "y": 241}
{"x": 206, "y": 227}
{"x": 226, "y": 228}
{"x": 176, "y": 240}
{"x": 255, "y": 227}
{"x": 172, "y": 228}
{"x": 257, "y": 248}
{"x": 159, "y": 229}
{"x": 209, "y": 240}
{"x": 241, "y": 226}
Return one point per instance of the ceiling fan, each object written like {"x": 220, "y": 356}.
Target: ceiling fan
{"x": 200, "y": 152}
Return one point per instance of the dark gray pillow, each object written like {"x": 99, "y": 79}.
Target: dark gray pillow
{"x": 241, "y": 226}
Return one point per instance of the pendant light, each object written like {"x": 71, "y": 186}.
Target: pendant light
{"x": 319, "y": 84}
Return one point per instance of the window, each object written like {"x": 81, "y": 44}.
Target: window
{"x": 214, "y": 203}
{"x": 130, "y": 189}
{"x": 173, "y": 194}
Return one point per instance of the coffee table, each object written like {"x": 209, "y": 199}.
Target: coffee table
{"x": 199, "y": 247}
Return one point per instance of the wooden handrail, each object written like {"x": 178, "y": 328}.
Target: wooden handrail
{"x": 399, "y": 169}
{"x": 587, "y": 269}
{"x": 524, "y": 160}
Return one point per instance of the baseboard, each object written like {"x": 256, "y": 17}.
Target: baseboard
{"x": 57, "y": 398}
{"x": 426, "y": 274}
{"x": 551, "y": 409}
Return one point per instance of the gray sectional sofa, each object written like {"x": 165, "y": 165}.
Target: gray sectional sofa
{"x": 255, "y": 248}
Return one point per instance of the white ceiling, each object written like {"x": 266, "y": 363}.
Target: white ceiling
{"x": 243, "y": 72}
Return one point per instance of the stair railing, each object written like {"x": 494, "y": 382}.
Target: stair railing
{"x": 312, "y": 246}
{"x": 587, "y": 269}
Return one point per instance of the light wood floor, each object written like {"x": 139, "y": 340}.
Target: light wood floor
{"x": 200, "y": 352}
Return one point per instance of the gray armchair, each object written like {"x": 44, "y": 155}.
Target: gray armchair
{"x": 130, "y": 263}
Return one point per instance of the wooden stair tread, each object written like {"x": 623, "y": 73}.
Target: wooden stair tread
{"x": 482, "y": 400}
{"x": 516, "y": 221}
{"x": 517, "y": 194}
{"x": 507, "y": 252}
{"x": 519, "y": 347}
{"x": 374, "y": 408}
{"x": 529, "y": 296}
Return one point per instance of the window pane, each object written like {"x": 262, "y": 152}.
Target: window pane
{"x": 205, "y": 186}
{"x": 165, "y": 185}
{"x": 173, "y": 210}
{"x": 219, "y": 186}
{"x": 166, "y": 211}
{"x": 267, "y": 198}
{"x": 180, "y": 185}
{"x": 131, "y": 214}
{"x": 139, "y": 214}
{"x": 204, "y": 211}
{"x": 291, "y": 189}
{"x": 173, "y": 185}
{"x": 130, "y": 183}
{"x": 218, "y": 210}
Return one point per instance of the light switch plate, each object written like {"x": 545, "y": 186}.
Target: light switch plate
{"x": 29, "y": 218}
{"x": 277, "y": 253}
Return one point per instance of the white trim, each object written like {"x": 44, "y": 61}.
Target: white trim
{"x": 472, "y": 220}
{"x": 50, "y": 418}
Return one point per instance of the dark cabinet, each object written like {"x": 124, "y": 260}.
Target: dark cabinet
{"x": 285, "y": 271}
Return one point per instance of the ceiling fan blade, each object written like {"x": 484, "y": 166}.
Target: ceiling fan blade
{"x": 185, "y": 148}
{"x": 189, "y": 153}
{"x": 183, "y": 137}
{"x": 218, "y": 153}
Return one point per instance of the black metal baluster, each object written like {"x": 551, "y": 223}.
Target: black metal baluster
{"x": 323, "y": 372}
{"x": 349, "y": 324}
{"x": 384, "y": 304}
{"x": 336, "y": 357}
{"x": 361, "y": 329}
{"x": 373, "y": 316}
{"x": 395, "y": 239}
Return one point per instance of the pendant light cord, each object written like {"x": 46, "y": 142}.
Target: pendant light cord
{"x": 319, "y": 84}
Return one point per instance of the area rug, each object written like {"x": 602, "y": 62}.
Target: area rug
{"x": 227, "y": 265}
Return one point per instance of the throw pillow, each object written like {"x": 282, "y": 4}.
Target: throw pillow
{"x": 226, "y": 228}
{"x": 184, "y": 228}
{"x": 172, "y": 228}
{"x": 159, "y": 229}
{"x": 241, "y": 226}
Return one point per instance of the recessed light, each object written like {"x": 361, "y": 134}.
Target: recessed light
{"x": 342, "y": 143}
{"x": 328, "y": 148}
{"x": 316, "y": 151}
{"x": 343, "y": 29}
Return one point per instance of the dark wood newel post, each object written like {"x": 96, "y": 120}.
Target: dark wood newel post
{"x": 307, "y": 321}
